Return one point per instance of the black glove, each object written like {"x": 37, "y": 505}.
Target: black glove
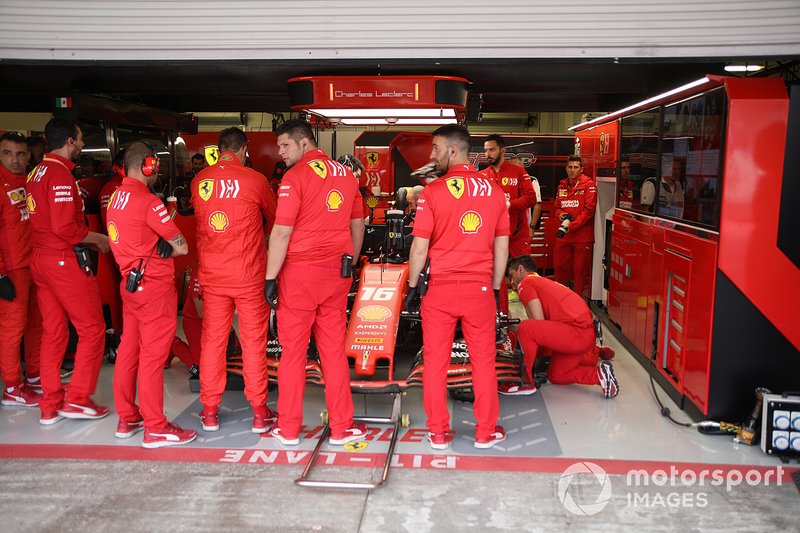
{"x": 497, "y": 297}
{"x": 7, "y": 290}
{"x": 164, "y": 248}
{"x": 411, "y": 297}
{"x": 271, "y": 293}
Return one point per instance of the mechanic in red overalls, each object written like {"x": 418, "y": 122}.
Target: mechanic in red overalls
{"x": 66, "y": 291}
{"x": 319, "y": 229}
{"x": 143, "y": 240}
{"x": 560, "y": 320}
{"x": 234, "y": 208}
{"x": 461, "y": 225}
{"x": 576, "y": 198}
{"x": 516, "y": 184}
{"x": 19, "y": 314}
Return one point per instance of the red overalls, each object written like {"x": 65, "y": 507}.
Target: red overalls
{"x": 20, "y": 316}
{"x": 136, "y": 218}
{"x": 318, "y": 197}
{"x": 65, "y": 291}
{"x": 460, "y": 213}
{"x": 567, "y": 329}
{"x": 234, "y": 208}
{"x": 572, "y": 254}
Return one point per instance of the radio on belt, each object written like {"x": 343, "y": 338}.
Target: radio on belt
{"x": 84, "y": 259}
{"x": 134, "y": 277}
{"x": 347, "y": 266}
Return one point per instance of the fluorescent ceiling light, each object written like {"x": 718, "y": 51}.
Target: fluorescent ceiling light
{"x": 397, "y": 122}
{"x": 643, "y": 103}
{"x": 743, "y": 68}
{"x": 384, "y": 112}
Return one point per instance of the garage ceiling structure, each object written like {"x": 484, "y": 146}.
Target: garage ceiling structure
{"x": 521, "y": 55}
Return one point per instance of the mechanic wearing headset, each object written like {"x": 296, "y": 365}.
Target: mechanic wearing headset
{"x": 143, "y": 240}
{"x": 234, "y": 208}
{"x": 67, "y": 289}
{"x": 19, "y": 314}
{"x": 461, "y": 225}
{"x": 319, "y": 229}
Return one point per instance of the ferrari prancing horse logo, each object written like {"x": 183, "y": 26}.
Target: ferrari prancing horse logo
{"x": 319, "y": 167}
{"x": 205, "y": 188}
{"x": 456, "y": 187}
{"x": 372, "y": 159}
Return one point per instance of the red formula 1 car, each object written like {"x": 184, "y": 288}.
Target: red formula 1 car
{"x": 377, "y": 320}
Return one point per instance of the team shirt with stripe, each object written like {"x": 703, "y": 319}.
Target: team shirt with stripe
{"x": 461, "y": 213}
{"x": 318, "y": 197}
{"x": 136, "y": 218}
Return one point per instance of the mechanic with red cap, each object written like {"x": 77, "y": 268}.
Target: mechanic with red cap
{"x": 461, "y": 225}
{"x": 319, "y": 229}
{"x": 67, "y": 289}
{"x": 19, "y": 314}
{"x": 143, "y": 240}
{"x": 575, "y": 204}
{"x": 234, "y": 208}
{"x": 560, "y": 320}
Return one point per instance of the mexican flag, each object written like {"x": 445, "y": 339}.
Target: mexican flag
{"x": 63, "y": 102}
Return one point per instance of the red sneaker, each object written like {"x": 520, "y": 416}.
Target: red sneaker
{"x": 278, "y": 435}
{"x": 355, "y": 432}
{"x": 21, "y": 396}
{"x": 516, "y": 389}
{"x": 606, "y": 353}
{"x": 439, "y": 441}
{"x": 91, "y": 411}
{"x": 126, "y": 430}
{"x": 210, "y": 418}
{"x": 171, "y": 435}
{"x": 608, "y": 380}
{"x": 49, "y": 418}
{"x": 497, "y": 437}
{"x": 263, "y": 419}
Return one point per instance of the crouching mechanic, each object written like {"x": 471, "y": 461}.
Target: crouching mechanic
{"x": 319, "y": 228}
{"x": 462, "y": 227}
{"x": 234, "y": 209}
{"x": 143, "y": 239}
{"x": 559, "y": 319}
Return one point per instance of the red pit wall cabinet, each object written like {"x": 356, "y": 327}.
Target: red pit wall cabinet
{"x": 711, "y": 309}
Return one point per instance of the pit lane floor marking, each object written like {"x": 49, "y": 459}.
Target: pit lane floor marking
{"x": 406, "y": 461}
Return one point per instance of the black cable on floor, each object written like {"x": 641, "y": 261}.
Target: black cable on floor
{"x": 665, "y": 412}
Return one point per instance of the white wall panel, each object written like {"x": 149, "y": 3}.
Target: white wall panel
{"x": 376, "y": 29}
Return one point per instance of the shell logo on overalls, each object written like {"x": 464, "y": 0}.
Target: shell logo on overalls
{"x": 218, "y": 221}
{"x": 334, "y": 200}
{"x": 470, "y": 222}
{"x": 113, "y": 233}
